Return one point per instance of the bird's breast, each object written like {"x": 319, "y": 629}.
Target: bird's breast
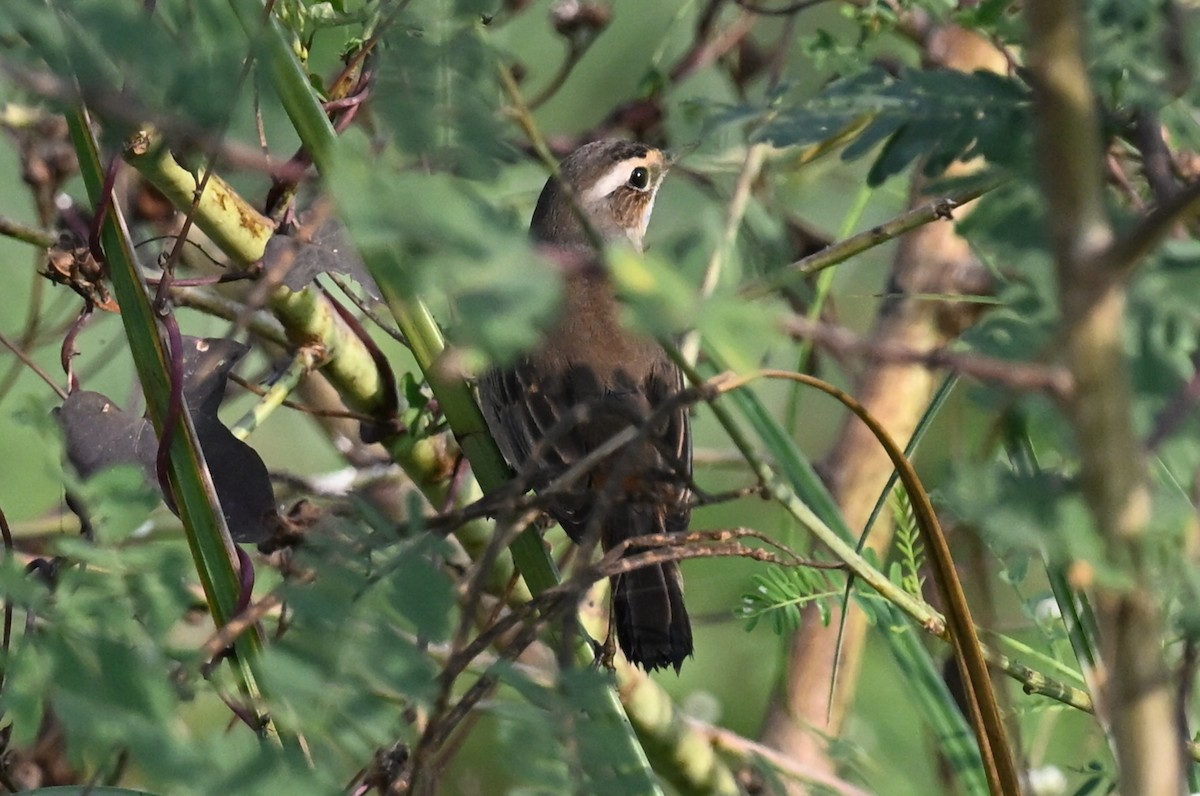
{"x": 589, "y": 332}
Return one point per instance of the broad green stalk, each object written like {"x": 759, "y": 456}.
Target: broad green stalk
{"x": 212, "y": 547}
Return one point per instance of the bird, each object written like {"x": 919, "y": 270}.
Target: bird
{"x": 589, "y": 379}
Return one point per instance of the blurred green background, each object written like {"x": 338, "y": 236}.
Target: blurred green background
{"x": 735, "y": 671}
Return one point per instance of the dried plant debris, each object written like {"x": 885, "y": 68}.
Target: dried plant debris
{"x": 296, "y": 260}
{"x": 100, "y": 435}
{"x": 79, "y": 270}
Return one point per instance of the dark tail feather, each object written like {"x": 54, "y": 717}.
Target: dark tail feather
{"x": 652, "y": 623}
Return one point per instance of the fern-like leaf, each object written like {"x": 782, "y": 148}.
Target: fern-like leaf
{"x": 908, "y": 543}
{"x": 936, "y": 116}
{"x": 781, "y": 593}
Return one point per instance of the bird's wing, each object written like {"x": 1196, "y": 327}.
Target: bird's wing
{"x": 529, "y": 409}
{"x": 675, "y": 438}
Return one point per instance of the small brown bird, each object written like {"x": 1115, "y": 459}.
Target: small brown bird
{"x": 589, "y": 360}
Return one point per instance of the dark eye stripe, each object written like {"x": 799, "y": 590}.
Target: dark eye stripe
{"x": 627, "y": 150}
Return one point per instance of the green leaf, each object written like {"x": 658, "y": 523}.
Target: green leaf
{"x": 941, "y": 115}
{"x": 185, "y": 64}
{"x": 658, "y": 299}
{"x": 530, "y": 749}
{"x": 781, "y": 593}
{"x": 440, "y": 105}
{"x": 420, "y": 589}
{"x": 434, "y": 235}
{"x": 504, "y": 302}
{"x": 557, "y": 732}
{"x": 120, "y": 501}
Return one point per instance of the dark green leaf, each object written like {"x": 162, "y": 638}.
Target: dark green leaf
{"x": 939, "y": 114}
{"x": 420, "y": 590}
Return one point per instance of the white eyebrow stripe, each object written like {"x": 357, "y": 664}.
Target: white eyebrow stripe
{"x": 613, "y": 179}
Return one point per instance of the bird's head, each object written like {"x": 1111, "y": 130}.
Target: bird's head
{"x": 612, "y": 182}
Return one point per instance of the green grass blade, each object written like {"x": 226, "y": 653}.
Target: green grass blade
{"x": 911, "y": 656}
{"x": 789, "y": 460}
{"x": 208, "y": 537}
{"x": 935, "y": 406}
{"x": 298, "y": 96}
{"x": 1082, "y": 629}
{"x": 955, "y": 741}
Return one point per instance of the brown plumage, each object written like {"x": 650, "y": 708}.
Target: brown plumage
{"x": 589, "y": 359}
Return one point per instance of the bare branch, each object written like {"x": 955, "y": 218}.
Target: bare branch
{"x": 749, "y": 752}
{"x": 782, "y": 11}
{"x": 1137, "y": 696}
{"x": 938, "y": 209}
{"x": 11, "y": 228}
{"x": 1125, "y": 253}
{"x": 30, "y": 363}
{"x": 1014, "y": 375}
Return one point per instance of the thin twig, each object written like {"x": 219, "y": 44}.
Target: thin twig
{"x": 364, "y": 306}
{"x": 1023, "y": 376}
{"x": 344, "y": 414}
{"x": 303, "y": 362}
{"x": 748, "y": 752}
{"x": 575, "y": 53}
{"x": 708, "y": 50}
{"x": 11, "y": 228}
{"x": 264, "y": 325}
{"x": 520, "y": 111}
{"x": 29, "y": 362}
{"x": 229, "y": 632}
{"x": 1127, "y": 252}
{"x": 938, "y": 209}
{"x": 783, "y": 11}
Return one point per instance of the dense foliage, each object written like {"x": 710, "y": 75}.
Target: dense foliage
{"x": 326, "y": 600}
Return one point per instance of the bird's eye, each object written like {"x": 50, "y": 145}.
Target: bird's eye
{"x": 639, "y": 178}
